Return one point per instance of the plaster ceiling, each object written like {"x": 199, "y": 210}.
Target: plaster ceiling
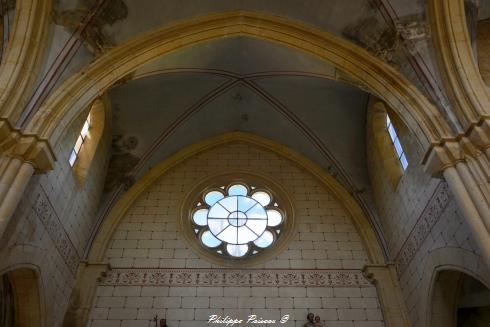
{"x": 239, "y": 84}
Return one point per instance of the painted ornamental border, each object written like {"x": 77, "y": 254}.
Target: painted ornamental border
{"x": 233, "y": 277}
{"x": 429, "y": 217}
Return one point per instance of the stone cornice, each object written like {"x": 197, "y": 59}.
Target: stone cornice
{"x": 448, "y": 152}
{"x": 28, "y": 148}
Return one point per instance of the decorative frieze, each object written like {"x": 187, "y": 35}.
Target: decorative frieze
{"x": 429, "y": 217}
{"x": 231, "y": 277}
{"x": 47, "y": 215}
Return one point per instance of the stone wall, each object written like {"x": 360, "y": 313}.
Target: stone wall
{"x": 423, "y": 228}
{"x": 155, "y": 272}
{"x": 53, "y": 221}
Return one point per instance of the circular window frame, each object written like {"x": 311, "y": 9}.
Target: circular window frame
{"x": 261, "y": 183}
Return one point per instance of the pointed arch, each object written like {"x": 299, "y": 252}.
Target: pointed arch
{"x": 461, "y": 76}
{"x": 426, "y": 123}
{"x": 26, "y": 291}
{"x": 362, "y": 223}
{"x": 25, "y": 51}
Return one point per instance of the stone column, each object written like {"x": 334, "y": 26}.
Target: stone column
{"x": 83, "y": 294}
{"x": 465, "y": 164}
{"x": 20, "y": 157}
{"x": 389, "y": 294}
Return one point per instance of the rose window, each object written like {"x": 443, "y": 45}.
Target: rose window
{"x": 237, "y": 220}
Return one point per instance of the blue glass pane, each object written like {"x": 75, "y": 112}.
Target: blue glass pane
{"x": 237, "y": 250}
{"x": 404, "y": 161}
{"x": 262, "y": 197}
{"x": 265, "y": 240}
{"x": 392, "y": 132}
{"x": 200, "y": 217}
{"x": 230, "y": 203}
{"x": 209, "y": 240}
{"x": 237, "y": 189}
{"x": 256, "y": 212}
{"x": 213, "y": 197}
{"x": 245, "y": 203}
{"x": 73, "y": 158}
{"x": 398, "y": 147}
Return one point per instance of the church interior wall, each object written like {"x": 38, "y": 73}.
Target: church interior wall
{"x": 148, "y": 237}
{"x": 54, "y": 221}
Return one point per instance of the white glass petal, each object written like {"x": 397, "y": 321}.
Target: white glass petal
{"x": 230, "y": 203}
{"x": 213, "y": 197}
{"x": 237, "y": 250}
{"x": 229, "y": 234}
{"x": 262, "y": 197}
{"x": 237, "y": 189}
{"x": 256, "y": 212}
{"x": 245, "y": 235}
{"x": 245, "y": 203}
{"x": 274, "y": 217}
{"x": 217, "y": 225}
{"x": 258, "y": 226}
{"x": 209, "y": 240}
{"x": 200, "y": 217}
{"x": 265, "y": 240}
{"x": 218, "y": 211}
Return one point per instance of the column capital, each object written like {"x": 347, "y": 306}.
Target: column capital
{"x": 28, "y": 148}
{"x": 448, "y": 152}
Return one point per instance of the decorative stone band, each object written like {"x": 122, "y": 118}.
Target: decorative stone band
{"x": 231, "y": 277}
{"x": 422, "y": 228}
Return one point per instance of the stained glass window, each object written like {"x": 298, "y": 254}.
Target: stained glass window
{"x": 396, "y": 143}
{"x": 237, "y": 220}
{"x": 80, "y": 140}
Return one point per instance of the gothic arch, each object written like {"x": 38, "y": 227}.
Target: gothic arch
{"x": 426, "y": 123}
{"x": 443, "y": 259}
{"x": 26, "y": 287}
{"x": 25, "y": 51}
{"x": 109, "y": 225}
{"x": 464, "y": 83}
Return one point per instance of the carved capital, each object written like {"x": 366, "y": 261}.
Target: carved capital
{"x": 471, "y": 144}
{"x": 28, "y": 148}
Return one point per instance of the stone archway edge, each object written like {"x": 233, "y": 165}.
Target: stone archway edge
{"x": 75, "y": 94}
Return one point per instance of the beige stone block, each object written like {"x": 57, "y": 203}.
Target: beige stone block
{"x": 124, "y": 244}
{"x": 99, "y": 313}
{"x": 278, "y": 303}
{"x": 150, "y": 244}
{"x": 195, "y": 302}
{"x": 308, "y": 303}
{"x": 110, "y": 302}
{"x": 106, "y": 323}
{"x": 146, "y": 263}
{"x": 347, "y": 292}
{"x": 223, "y": 302}
{"x": 251, "y": 302}
{"x": 127, "y": 291}
{"x": 167, "y": 302}
{"x": 139, "y": 302}
{"x": 237, "y": 291}
{"x": 210, "y": 291}
{"x": 135, "y": 253}
{"x": 351, "y": 314}
{"x": 180, "y": 314}
{"x": 319, "y": 292}
{"x": 122, "y": 313}
{"x": 182, "y": 291}
{"x": 139, "y": 235}
{"x": 203, "y": 314}
{"x": 172, "y": 263}
{"x": 104, "y": 290}
{"x": 134, "y": 323}
{"x": 360, "y": 302}
{"x": 292, "y": 292}
{"x": 265, "y": 291}
{"x": 154, "y": 291}
{"x": 161, "y": 253}
{"x": 340, "y": 303}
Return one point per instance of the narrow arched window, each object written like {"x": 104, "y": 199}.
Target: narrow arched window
{"x": 396, "y": 143}
{"x": 83, "y": 152}
{"x": 81, "y": 140}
